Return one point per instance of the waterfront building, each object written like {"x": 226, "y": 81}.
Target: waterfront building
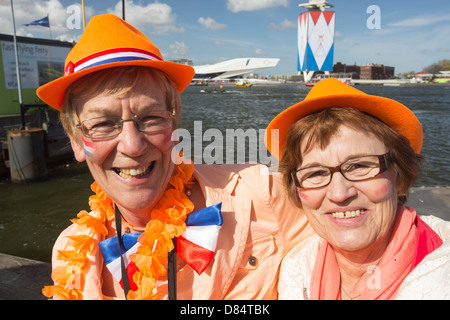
{"x": 370, "y": 71}
{"x": 376, "y": 72}
{"x": 442, "y": 77}
{"x": 40, "y": 61}
{"x": 232, "y": 69}
{"x": 343, "y": 68}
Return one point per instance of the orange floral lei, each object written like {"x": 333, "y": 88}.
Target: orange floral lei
{"x": 167, "y": 222}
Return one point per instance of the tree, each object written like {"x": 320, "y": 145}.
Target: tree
{"x": 441, "y": 65}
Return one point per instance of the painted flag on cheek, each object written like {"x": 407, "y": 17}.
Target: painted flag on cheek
{"x": 196, "y": 245}
{"x": 89, "y": 148}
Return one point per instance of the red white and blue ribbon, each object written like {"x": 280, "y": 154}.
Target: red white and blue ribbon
{"x": 111, "y": 254}
{"x": 196, "y": 245}
{"x": 110, "y": 56}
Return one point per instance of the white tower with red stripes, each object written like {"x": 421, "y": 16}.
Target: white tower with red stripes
{"x": 315, "y": 41}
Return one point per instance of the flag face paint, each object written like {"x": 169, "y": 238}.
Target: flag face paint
{"x": 302, "y": 195}
{"x": 89, "y": 148}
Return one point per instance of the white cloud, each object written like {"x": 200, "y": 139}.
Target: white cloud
{"x": 68, "y": 25}
{"x": 253, "y": 5}
{"x": 284, "y": 25}
{"x": 179, "y": 48}
{"x": 28, "y": 11}
{"x": 421, "y": 21}
{"x": 158, "y": 16}
{"x": 259, "y": 52}
{"x": 211, "y": 24}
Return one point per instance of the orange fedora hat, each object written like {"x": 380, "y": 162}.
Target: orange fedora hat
{"x": 108, "y": 42}
{"x": 333, "y": 93}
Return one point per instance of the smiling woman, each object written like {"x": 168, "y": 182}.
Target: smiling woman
{"x": 348, "y": 159}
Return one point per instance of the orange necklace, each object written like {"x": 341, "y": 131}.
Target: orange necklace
{"x": 167, "y": 222}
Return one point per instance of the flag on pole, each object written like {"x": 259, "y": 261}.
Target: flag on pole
{"x": 44, "y": 22}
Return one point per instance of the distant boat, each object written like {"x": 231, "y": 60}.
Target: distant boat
{"x": 243, "y": 84}
{"x": 213, "y": 90}
{"x": 312, "y": 83}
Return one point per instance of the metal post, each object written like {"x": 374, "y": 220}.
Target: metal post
{"x": 19, "y": 84}
{"x": 84, "y": 17}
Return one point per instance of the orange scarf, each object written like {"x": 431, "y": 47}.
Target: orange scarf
{"x": 410, "y": 242}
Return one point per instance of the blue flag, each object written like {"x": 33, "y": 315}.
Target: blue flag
{"x": 44, "y": 22}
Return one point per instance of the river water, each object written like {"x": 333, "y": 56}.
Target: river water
{"x": 32, "y": 215}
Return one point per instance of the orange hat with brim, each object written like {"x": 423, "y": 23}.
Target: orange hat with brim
{"x": 334, "y": 93}
{"x": 108, "y": 42}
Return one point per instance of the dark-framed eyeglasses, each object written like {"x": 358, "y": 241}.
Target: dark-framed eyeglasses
{"x": 355, "y": 169}
{"x": 109, "y": 127}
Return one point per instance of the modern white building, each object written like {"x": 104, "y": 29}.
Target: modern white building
{"x": 316, "y": 5}
{"x": 233, "y": 68}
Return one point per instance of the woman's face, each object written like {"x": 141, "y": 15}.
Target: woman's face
{"x": 133, "y": 168}
{"x": 376, "y": 199}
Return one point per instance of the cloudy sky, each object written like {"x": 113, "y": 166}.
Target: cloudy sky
{"x": 412, "y": 34}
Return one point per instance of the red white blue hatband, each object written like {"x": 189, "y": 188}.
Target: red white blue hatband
{"x": 110, "y": 56}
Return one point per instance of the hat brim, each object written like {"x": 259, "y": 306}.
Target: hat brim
{"x": 52, "y": 93}
{"x": 393, "y": 113}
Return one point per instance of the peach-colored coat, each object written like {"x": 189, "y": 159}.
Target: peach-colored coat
{"x": 260, "y": 225}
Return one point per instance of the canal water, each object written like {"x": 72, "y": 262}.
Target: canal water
{"x": 32, "y": 215}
